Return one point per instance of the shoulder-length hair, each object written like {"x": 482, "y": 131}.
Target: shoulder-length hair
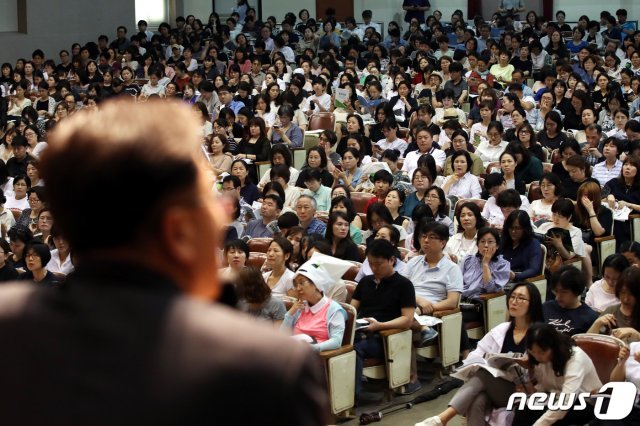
{"x": 347, "y": 203}
{"x": 546, "y": 337}
{"x": 344, "y": 244}
{"x": 251, "y": 286}
{"x": 535, "y": 302}
{"x": 476, "y": 212}
{"x": 634, "y": 161}
{"x": 523, "y": 219}
{"x": 258, "y": 121}
{"x": 442, "y": 208}
{"x": 592, "y": 191}
{"x": 484, "y": 231}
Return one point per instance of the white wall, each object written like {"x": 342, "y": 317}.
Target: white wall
{"x": 201, "y": 9}
{"x": 279, "y": 8}
{"x": 592, "y": 8}
{"x": 55, "y": 25}
{"x": 391, "y": 10}
{"x": 8, "y": 15}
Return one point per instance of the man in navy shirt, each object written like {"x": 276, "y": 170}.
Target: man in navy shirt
{"x": 415, "y": 9}
{"x": 566, "y": 312}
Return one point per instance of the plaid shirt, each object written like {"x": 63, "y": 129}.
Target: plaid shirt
{"x": 316, "y": 227}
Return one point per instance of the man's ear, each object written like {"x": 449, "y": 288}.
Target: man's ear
{"x": 178, "y": 235}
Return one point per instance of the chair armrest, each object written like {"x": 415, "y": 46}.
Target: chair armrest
{"x": 440, "y": 314}
{"x": 601, "y": 239}
{"x": 392, "y": 331}
{"x": 634, "y": 216}
{"x": 488, "y": 296}
{"x": 536, "y": 278}
{"x": 261, "y": 163}
{"x": 336, "y": 352}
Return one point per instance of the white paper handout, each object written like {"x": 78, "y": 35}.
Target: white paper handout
{"x": 426, "y": 320}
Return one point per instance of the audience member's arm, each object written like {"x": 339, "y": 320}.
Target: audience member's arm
{"x": 451, "y": 302}
{"x": 404, "y": 321}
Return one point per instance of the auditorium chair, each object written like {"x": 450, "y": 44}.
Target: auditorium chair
{"x": 605, "y": 246}
{"x": 360, "y": 200}
{"x": 322, "y": 121}
{"x": 259, "y": 244}
{"x": 340, "y": 367}
{"x": 494, "y": 312}
{"x": 351, "y": 288}
{"x": 534, "y": 192}
{"x": 447, "y": 345}
{"x": 603, "y": 351}
{"x": 256, "y": 259}
{"x": 396, "y": 365}
{"x": 634, "y": 222}
{"x": 262, "y": 167}
{"x": 540, "y": 281}
{"x": 363, "y": 219}
{"x": 351, "y": 273}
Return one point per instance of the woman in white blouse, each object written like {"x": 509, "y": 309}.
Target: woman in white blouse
{"x": 60, "y": 256}
{"x": 461, "y": 183}
{"x": 280, "y": 277}
{"x": 19, "y": 200}
{"x": 489, "y": 150}
{"x": 557, "y": 366}
{"x": 551, "y": 187}
{"x": 463, "y": 243}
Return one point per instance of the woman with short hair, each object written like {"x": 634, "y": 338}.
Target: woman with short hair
{"x": 37, "y": 256}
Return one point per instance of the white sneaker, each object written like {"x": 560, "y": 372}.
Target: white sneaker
{"x": 431, "y": 421}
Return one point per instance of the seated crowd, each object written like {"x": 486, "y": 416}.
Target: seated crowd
{"x": 458, "y": 162}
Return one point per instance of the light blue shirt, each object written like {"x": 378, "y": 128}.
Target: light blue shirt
{"x": 471, "y": 267}
{"x": 434, "y": 283}
{"x": 322, "y": 197}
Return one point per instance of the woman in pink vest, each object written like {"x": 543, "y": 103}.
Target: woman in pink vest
{"x": 314, "y": 317}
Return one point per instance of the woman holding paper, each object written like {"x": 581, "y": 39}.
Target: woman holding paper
{"x": 481, "y": 390}
{"x": 316, "y": 318}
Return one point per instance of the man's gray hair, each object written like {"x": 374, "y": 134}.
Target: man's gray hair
{"x": 313, "y": 200}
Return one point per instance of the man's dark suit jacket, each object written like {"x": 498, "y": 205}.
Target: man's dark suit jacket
{"x": 120, "y": 345}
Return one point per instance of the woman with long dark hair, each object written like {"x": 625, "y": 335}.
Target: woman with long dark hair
{"x": 342, "y": 246}
{"x": 557, "y": 364}
{"x": 519, "y": 246}
{"x": 482, "y": 391}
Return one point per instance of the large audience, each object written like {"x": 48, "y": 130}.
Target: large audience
{"x": 453, "y": 158}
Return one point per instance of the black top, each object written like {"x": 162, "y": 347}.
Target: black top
{"x": 570, "y": 321}
{"x": 510, "y": 345}
{"x": 572, "y": 120}
{"x": 551, "y": 143}
{"x": 48, "y": 279}
{"x": 348, "y": 251}
{"x": 620, "y": 191}
{"x": 559, "y": 170}
{"x": 384, "y": 301}
{"x": 570, "y": 187}
{"x": 519, "y": 64}
{"x": 8, "y": 273}
{"x": 605, "y": 217}
{"x": 114, "y": 332}
{"x": 260, "y": 149}
{"x": 18, "y": 167}
{"x": 250, "y": 193}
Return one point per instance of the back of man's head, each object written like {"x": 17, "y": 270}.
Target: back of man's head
{"x": 150, "y": 152}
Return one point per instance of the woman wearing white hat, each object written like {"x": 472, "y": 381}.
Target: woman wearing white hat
{"x": 314, "y": 317}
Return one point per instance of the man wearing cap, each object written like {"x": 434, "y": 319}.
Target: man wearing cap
{"x": 226, "y": 99}
{"x": 209, "y": 98}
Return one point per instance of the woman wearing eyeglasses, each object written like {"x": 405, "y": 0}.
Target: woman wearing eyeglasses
{"x": 315, "y": 317}
{"x": 482, "y": 391}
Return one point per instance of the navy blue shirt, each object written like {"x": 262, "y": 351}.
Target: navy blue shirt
{"x": 569, "y": 321}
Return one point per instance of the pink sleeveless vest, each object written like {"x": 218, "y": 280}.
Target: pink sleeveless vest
{"x": 314, "y": 325}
